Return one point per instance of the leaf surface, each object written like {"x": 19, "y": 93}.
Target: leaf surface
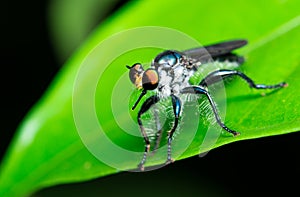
{"x": 48, "y": 150}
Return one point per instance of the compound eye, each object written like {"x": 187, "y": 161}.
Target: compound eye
{"x": 150, "y": 79}
{"x": 168, "y": 58}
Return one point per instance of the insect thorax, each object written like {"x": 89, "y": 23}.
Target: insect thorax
{"x": 172, "y": 80}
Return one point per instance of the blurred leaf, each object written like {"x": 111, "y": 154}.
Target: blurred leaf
{"x": 71, "y": 21}
{"x": 48, "y": 150}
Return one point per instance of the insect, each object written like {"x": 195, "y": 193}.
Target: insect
{"x": 169, "y": 74}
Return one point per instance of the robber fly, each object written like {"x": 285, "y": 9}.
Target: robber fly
{"x": 169, "y": 76}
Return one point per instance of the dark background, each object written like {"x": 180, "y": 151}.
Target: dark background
{"x": 28, "y": 64}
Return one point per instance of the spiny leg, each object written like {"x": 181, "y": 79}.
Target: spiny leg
{"x": 144, "y": 108}
{"x": 176, "y": 109}
{"x": 219, "y": 75}
{"x": 200, "y": 90}
{"x": 158, "y": 134}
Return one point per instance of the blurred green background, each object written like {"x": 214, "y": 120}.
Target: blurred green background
{"x": 35, "y": 45}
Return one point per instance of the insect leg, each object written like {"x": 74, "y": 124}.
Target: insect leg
{"x": 176, "y": 108}
{"x": 219, "y": 75}
{"x": 158, "y": 134}
{"x": 144, "y": 108}
{"x": 200, "y": 90}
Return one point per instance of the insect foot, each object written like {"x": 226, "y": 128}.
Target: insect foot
{"x": 141, "y": 167}
{"x": 143, "y": 161}
{"x": 169, "y": 160}
{"x": 284, "y": 84}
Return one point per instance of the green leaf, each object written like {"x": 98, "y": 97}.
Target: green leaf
{"x": 48, "y": 149}
{"x": 70, "y": 22}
